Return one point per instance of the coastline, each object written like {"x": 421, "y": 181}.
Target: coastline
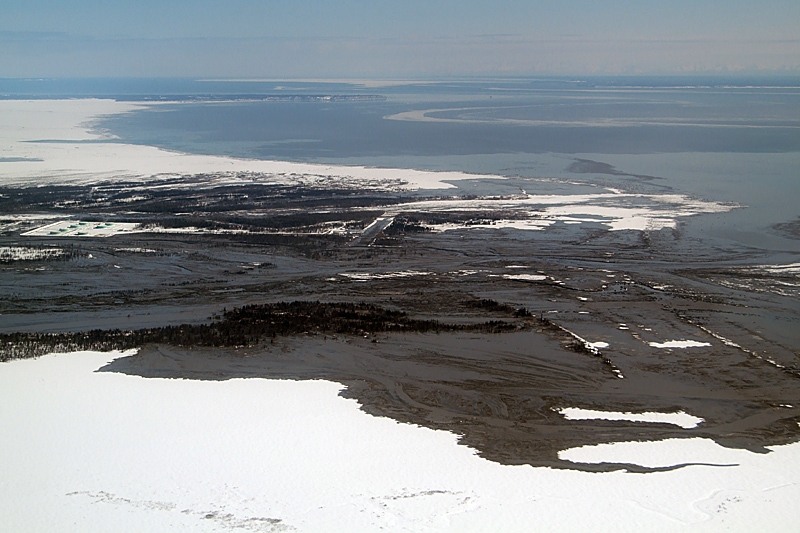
{"x": 37, "y": 151}
{"x": 111, "y": 451}
{"x": 664, "y": 324}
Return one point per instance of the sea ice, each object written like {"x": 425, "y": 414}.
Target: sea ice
{"x": 28, "y": 129}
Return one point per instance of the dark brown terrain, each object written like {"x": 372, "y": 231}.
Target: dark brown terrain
{"x": 420, "y": 326}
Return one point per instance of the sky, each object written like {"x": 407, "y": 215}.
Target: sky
{"x": 393, "y": 39}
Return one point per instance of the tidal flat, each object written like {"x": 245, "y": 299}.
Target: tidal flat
{"x": 482, "y": 331}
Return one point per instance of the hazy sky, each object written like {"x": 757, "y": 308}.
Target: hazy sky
{"x": 380, "y": 38}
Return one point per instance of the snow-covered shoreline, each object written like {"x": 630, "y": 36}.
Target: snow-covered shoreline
{"x": 55, "y": 142}
{"x": 98, "y": 451}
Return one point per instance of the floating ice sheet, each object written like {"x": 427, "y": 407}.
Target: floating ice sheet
{"x": 28, "y": 130}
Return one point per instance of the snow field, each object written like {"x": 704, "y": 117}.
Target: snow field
{"x": 94, "y": 451}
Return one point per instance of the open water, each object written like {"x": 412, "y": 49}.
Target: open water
{"x": 732, "y": 140}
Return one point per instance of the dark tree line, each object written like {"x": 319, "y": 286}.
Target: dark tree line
{"x": 244, "y": 326}
{"x": 488, "y": 304}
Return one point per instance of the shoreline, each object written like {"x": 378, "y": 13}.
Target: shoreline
{"x": 282, "y": 455}
{"x": 606, "y": 358}
{"x": 49, "y": 159}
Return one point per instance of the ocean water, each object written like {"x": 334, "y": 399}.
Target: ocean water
{"x": 722, "y": 139}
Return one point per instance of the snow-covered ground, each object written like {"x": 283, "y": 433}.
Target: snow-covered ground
{"x": 90, "y": 451}
{"x": 366, "y": 276}
{"x": 526, "y": 277}
{"x": 23, "y": 253}
{"x": 611, "y": 208}
{"x": 78, "y": 228}
{"x": 680, "y": 344}
{"x": 680, "y": 418}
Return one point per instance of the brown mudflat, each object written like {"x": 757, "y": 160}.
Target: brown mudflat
{"x": 499, "y": 391}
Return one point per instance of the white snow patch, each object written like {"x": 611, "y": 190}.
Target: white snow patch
{"x": 136, "y": 250}
{"x": 597, "y": 345}
{"x": 525, "y": 277}
{"x": 77, "y": 228}
{"x": 680, "y": 418}
{"x": 613, "y": 209}
{"x": 364, "y": 276}
{"x": 679, "y": 344}
{"x": 24, "y": 253}
{"x": 526, "y": 224}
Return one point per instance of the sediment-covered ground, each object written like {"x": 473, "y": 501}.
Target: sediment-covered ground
{"x": 619, "y": 320}
{"x": 108, "y": 245}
